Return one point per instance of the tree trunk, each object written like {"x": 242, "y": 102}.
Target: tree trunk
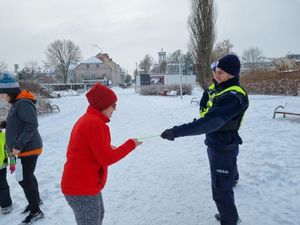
{"x": 201, "y": 24}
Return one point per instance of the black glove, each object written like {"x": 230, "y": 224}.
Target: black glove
{"x": 168, "y": 134}
{"x": 3, "y": 124}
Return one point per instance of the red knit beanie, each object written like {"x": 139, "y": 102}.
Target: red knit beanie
{"x": 101, "y": 97}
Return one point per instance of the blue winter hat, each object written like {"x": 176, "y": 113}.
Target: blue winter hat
{"x": 229, "y": 63}
{"x": 8, "y": 85}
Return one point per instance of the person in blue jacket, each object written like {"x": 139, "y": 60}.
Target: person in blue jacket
{"x": 221, "y": 117}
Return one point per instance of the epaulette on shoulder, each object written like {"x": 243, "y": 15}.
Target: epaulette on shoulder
{"x": 235, "y": 94}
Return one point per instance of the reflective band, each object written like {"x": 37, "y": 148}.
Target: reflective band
{"x": 212, "y": 96}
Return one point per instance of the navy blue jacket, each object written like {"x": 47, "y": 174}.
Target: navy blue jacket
{"x": 227, "y": 108}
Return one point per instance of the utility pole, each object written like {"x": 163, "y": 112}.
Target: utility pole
{"x": 180, "y": 74}
{"x": 135, "y": 76}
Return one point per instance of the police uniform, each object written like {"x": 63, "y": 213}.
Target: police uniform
{"x": 220, "y": 120}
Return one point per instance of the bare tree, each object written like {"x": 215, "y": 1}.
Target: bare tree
{"x": 186, "y": 62}
{"x": 252, "y": 57}
{"x": 60, "y": 55}
{"x": 162, "y": 67}
{"x": 146, "y": 63}
{"x": 128, "y": 79}
{"x": 221, "y": 49}
{"x": 3, "y": 66}
{"x": 187, "y": 67}
{"x": 173, "y": 57}
{"x": 29, "y": 71}
{"x": 202, "y": 36}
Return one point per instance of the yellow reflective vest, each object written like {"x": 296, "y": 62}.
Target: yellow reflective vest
{"x": 2, "y": 148}
{"x": 212, "y": 94}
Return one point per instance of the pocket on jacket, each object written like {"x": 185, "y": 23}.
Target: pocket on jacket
{"x": 223, "y": 179}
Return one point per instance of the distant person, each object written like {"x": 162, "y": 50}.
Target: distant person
{"x": 88, "y": 156}
{"x": 23, "y": 141}
{"x": 6, "y": 161}
{"x": 221, "y": 118}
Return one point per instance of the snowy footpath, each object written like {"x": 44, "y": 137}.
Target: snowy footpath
{"x": 168, "y": 183}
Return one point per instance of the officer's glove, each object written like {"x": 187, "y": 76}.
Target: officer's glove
{"x": 168, "y": 134}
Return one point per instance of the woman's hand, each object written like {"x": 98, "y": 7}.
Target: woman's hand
{"x": 16, "y": 152}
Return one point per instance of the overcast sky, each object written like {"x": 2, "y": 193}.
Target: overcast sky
{"x": 127, "y": 30}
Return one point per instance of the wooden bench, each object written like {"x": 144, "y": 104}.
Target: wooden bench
{"x": 278, "y": 111}
{"x": 195, "y": 100}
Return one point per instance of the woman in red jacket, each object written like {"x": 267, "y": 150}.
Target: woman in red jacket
{"x": 89, "y": 155}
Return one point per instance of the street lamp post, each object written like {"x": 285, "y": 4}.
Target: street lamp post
{"x": 135, "y": 76}
{"x": 180, "y": 74}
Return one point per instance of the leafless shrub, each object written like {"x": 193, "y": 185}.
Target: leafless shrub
{"x": 162, "y": 90}
{"x": 272, "y": 82}
{"x": 152, "y": 90}
{"x": 4, "y": 108}
{"x": 34, "y": 87}
{"x": 43, "y": 105}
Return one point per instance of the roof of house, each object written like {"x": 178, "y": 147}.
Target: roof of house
{"x": 91, "y": 60}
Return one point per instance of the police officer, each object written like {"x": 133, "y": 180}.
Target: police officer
{"x": 221, "y": 117}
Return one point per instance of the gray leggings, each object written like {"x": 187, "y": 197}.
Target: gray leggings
{"x": 88, "y": 210}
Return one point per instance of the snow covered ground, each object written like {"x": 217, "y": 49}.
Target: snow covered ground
{"x": 168, "y": 183}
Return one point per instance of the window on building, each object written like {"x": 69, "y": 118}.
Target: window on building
{"x": 104, "y": 76}
{"x": 87, "y": 65}
{"x": 97, "y": 65}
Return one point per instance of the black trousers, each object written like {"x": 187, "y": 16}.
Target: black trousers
{"x": 29, "y": 183}
{"x": 223, "y": 172}
{"x": 5, "y": 199}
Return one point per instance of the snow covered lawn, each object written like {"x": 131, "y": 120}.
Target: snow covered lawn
{"x": 168, "y": 183}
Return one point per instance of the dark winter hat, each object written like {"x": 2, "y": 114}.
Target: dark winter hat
{"x": 8, "y": 85}
{"x": 101, "y": 97}
{"x": 229, "y": 63}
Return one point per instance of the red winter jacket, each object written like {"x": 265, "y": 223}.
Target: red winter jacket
{"x": 89, "y": 155}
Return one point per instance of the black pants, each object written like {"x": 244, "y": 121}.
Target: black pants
{"x": 5, "y": 199}
{"x": 223, "y": 172}
{"x": 29, "y": 183}
{"x": 236, "y": 172}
